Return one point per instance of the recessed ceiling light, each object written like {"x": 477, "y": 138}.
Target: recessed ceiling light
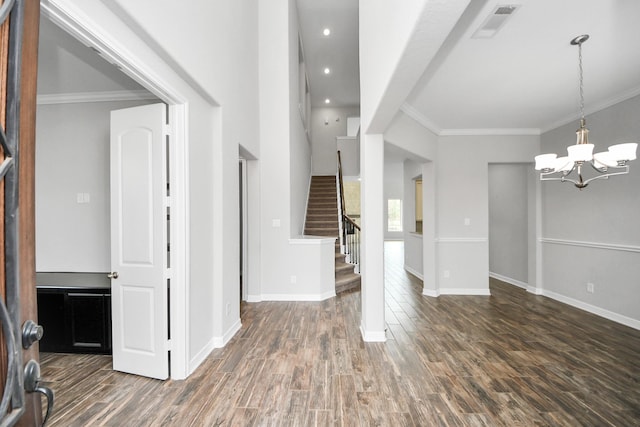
{"x": 327, "y": 70}
{"x": 326, "y": 31}
{"x": 327, "y": 101}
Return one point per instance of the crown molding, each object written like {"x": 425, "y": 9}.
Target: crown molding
{"x": 490, "y": 132}
{"x": 609, "y": 102}
{"x": 85, "y": 97}
{"x": 429, "y": 125}
{"x": 418, "y": 117}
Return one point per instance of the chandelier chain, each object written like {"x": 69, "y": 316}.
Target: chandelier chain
{"x": 581, "y": 81}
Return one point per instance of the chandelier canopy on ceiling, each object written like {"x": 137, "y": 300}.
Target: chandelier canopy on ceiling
{"x": 607, "y": 163}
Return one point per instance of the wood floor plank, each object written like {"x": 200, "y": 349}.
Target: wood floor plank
{"x": 509, "y": 359}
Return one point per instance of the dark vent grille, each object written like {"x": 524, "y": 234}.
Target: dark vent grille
{"x": 504, "y": 10}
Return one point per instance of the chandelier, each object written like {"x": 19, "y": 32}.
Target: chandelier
{"x": 607, "y": 163}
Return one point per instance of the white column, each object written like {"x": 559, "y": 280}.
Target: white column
{"x": 429, "y": 250}
{"x": 372, "y": 210}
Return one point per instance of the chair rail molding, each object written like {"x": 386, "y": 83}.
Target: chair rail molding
{"x": 594, "y": 245}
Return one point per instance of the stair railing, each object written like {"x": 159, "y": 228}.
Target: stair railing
{"x": 350, "y": 235}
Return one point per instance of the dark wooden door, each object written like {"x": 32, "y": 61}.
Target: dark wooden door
{"x": 26, "y": 192}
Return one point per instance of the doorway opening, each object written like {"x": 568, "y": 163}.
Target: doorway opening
{"x": 106, "y": 96}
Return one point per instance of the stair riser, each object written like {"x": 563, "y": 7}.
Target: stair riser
{"x": 322, "y": 219}
{"x": 328, "y": 233}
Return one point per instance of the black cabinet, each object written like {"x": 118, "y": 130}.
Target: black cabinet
{"x": 75, "y": 319}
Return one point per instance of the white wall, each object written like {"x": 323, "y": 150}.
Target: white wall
{"x": 413, "y": 244}
{"x": 406, "y": 133}
{"x": 299, "y": 144}
{"x": 72, "y": 156}
{"x": 463, "y": 205}
{"x": 508, "y": 222}
{"x": 323, "y": 136}
{"x": 393, "y": 189}
{"x": 217, "y": 80}
{"x": 593, "y": 235}
{"x": 422, "y": 144}
{"x": 285, "y": 167}
{"x": 349, "y": 147}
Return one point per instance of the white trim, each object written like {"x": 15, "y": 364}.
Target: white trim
{"x": 346, "y": 138}
{"x": 254, "y": 298}
{"x": 429, "y": 125}
{"x": 377, "y": 336}
{"x": 312, "y": 240}
{"x": 619, "y": 318}
{"x": 465, "y": 291}
{"x": 413, "y": 272}
{"x": 80, "y": 26}
{"x": 593, "y": 245}
{"x": 199, "y": 357}
{"x": 244, "y": 221}
{"x": 86, "y": 97}
{"x": 434, "y": 293}
{"x": 593, "y": 109}
{"x": 418, "y": 117}
{"x": 180, "y": 234}
{"x": 220, "y": 342}
{"x": 294, "y": 297}
{"x": 215, "y": 342}
{"x": 534, "y": 290}
{"x": 509, "y": 280}
{"x": 490, "y": 132}
{"x": 462, "y": 240}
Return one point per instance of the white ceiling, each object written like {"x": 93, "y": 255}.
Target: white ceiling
{"x": 338, "y": 51}
{"x": 525, "y": 78}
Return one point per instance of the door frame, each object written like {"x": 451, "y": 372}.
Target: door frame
{"x": 78, "y": 25}
{"x": 243, "y": 228}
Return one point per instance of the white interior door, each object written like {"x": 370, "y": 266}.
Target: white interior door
{"x": 139, "y": 241}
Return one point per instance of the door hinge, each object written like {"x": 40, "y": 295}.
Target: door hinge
{"x": 169, "y": 345}
{"x": 167, "y": 130}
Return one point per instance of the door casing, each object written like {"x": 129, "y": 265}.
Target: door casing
{"x": 79, "y": 26}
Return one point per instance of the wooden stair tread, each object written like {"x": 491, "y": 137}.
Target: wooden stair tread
{"x": 322, "y": 220}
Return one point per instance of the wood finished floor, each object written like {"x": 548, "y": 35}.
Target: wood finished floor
{"x": 512, "y": 359}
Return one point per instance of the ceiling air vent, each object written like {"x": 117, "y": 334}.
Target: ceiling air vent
{"x": 495, "y": 21}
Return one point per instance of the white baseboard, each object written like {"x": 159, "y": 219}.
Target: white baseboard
{"x": 215, "y": 342}
{"x": 229, "y": 334}
{"x": 431, "y": 293}
{"x": 371, "y": 336}
{"x": 201, "y": 356}
{"x": 413, "y": 272}
{"x": 463, "y": 291}
{"x": 297, "y": 297}
{"x": 509, "y": 280}
{"x": 534, "y": 290}
{"x": 619, "y": 318}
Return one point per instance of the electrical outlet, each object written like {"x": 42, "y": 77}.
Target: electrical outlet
{"x": 228, "y": 310}
{"x": 294, "y": 279}
{"x": 590, "y": 288}
{"x": 446, "y": 274}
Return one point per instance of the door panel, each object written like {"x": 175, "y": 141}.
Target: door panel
{"x": 138, "y": 241}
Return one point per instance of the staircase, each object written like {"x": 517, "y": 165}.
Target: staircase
{"x": 322, "y": 220}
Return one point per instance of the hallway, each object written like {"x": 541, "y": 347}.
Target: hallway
{"x": 510, "y": 359}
